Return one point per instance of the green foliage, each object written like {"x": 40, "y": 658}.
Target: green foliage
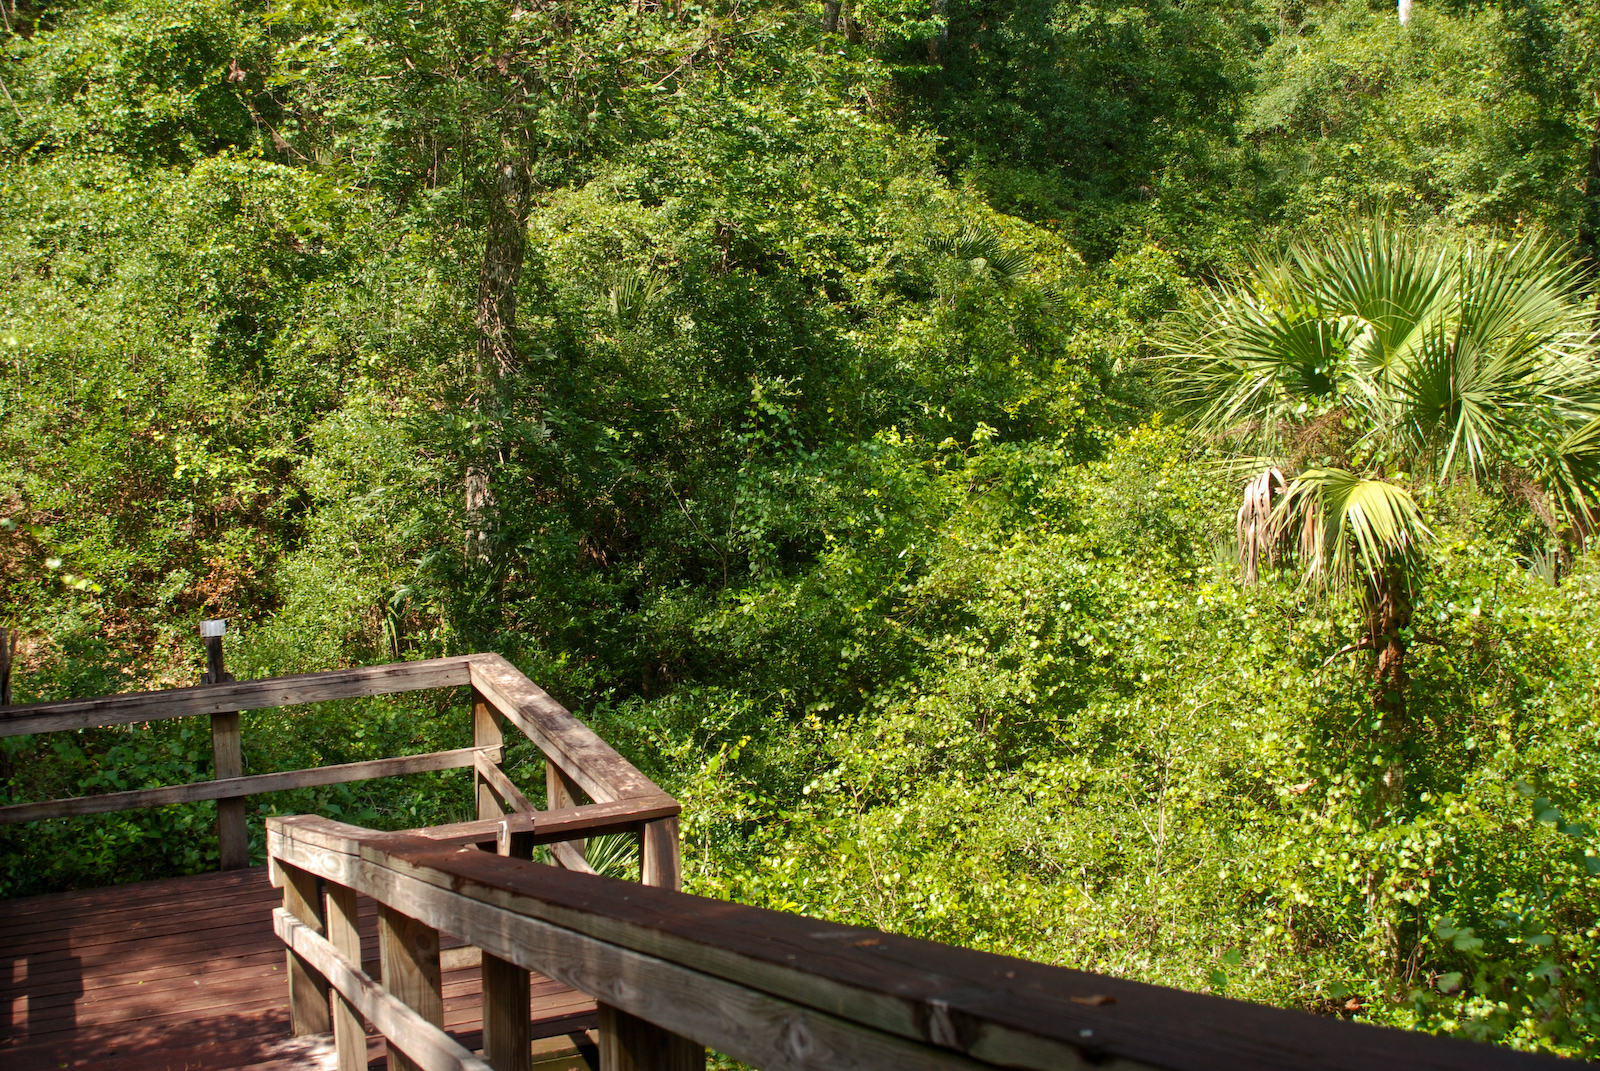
{"x": 827, "y": 478}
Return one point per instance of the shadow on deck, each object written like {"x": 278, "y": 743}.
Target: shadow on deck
{"x": 187, "y": 974}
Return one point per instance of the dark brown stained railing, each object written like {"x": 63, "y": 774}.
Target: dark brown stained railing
{"x": 577, "y": 761}
{"x": 671, "y": 974}
{"x": 783, "y": 992}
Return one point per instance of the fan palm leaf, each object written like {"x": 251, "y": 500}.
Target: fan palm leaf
{"x": 1451, "y": 358}
{"x": 1350, "y": 527}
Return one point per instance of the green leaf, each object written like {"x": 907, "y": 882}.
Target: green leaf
{"x": 1449, "y": 983}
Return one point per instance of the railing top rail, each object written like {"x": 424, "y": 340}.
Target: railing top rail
{"x": 570, "y": 744}
{"x": 330, "y": 684}
{"x": 803, "y": 982}
{"x": 591, "y": 763}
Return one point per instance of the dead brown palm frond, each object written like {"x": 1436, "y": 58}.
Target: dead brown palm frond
{"x": 1258, "y": 527}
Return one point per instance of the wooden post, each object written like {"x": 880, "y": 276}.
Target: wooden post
{"x": 659, "y": 847}
{"x": 628, "y": 1043}
{"x": 409, "y": 954}
{"x": 487, "y": 731}
{"x": 308, "y": 989}
{"x": 349, "y": 1037}
{"x": 227, "y": 758}
{"x": 8, "y": 652}
{"x": 561, "y": 791}
{"x": 507, "y": 1033}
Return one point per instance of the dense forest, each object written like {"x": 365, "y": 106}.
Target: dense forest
{"x": 846, "y": 408}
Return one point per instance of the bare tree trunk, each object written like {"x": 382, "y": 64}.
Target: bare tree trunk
{"x": 830, "y": 15}
{"x": 1589, "y": 220}
{"x": 497, "y": 327}
{"x": 1390, "y": 614}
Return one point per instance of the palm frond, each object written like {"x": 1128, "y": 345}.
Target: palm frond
{"x": 1350, "y": 526}
{"x": 1570, "y": 470}
{"x": 626, "y": 292}
{"x": 1257, "y": 528}
{"x": 1452, "y": 357}
{"x": 1380, "y": 277}
{"x": 985, "y": 250}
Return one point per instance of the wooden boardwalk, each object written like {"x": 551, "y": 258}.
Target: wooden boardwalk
{"x": 187, "y": 975}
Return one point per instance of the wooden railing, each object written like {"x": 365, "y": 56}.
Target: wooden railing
{"x": 577, "y": 762}
{"x": 673, "y": 973}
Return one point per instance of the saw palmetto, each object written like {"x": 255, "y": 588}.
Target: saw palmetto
{"x": 1355, "y": 368}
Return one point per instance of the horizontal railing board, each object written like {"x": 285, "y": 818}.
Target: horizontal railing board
{"x": 566, "y": 741}
{"x": 427, "y": 1045}
{"x": 758, "y": 1028}
{"x": 563, "y": 823}
{"x": 255, "y": 784}
{"x": 996, "y": 1009}
{"x": 235, "y": 695}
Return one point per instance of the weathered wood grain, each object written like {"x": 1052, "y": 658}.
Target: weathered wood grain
{"x": 423, "y": 1042}
{"x": 409, "y": 952}
{"x": 493, "y": 779}
{"x": 562, "y": 793}
{"x": 487, "y": 731}
{"x": 762, "y": 1030}
{"x": 227, "y": 761}
{"x": 566, "y": 741}
{"x": 628, "y": 1043}
{"x": 956, "y": 1002}
{"x": 456, "y": 759}
{"x": 506, "y": 1034}
{"x": 571, "y": 823}
{"x": 344, "y": 934}
{"x": 659, "y": 846}
{"x": 235, "y": 695}
{"x": 308, "y": 989}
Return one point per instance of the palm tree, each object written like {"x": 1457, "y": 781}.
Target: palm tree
{"x": 1375, "y": 362}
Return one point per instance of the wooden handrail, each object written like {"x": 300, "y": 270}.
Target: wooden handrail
{"x": 784, "y": 992}
{"x": 222, "y": 698}
{"x": 577, "y": 759}
{"x": 234, "y": 787}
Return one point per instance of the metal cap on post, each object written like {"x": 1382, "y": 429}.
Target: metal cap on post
{"x": 212, "y": 630}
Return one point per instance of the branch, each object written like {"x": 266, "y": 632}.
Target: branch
{"x": 1363, "y": 644}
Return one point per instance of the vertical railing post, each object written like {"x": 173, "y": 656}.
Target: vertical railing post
{"x": 562, "y": 791}
{"x": 408, "y": 951}
{"x": 659, "y": 864}
{"x": 628, "y": 1043}
{"x": 233, "y": 837}
{"x": 308, "y": 989}
{"x": 487, "y": 731}
{"x": 8, "y": 651}
{"x": 349, "y": 1037}
{"x": 507, "y": 1032}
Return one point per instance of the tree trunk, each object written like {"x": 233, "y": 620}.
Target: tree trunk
{"x": 497, "y": 327}
{"x": 1589, "y": 220}
{"x": 830, "y": 15}
{"x": 1390, "y": 613}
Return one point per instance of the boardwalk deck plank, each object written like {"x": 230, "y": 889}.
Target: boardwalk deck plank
{"x": 187, "y": 973}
